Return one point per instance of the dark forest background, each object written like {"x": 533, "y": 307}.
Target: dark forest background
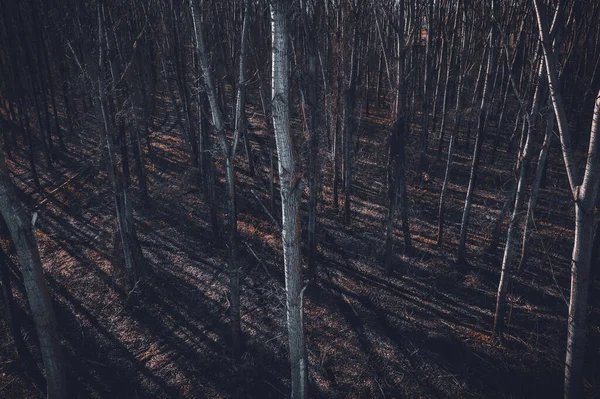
{"x": 265, "y": 198}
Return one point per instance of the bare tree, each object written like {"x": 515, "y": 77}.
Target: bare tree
{"x": 291, "y": 191}
{"x": 21, "y": 231}
{"x": 229, "y": 151}
{"x": 585, "y": 193}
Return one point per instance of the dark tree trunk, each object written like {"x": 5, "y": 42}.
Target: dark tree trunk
{"x": 38, "y": 296}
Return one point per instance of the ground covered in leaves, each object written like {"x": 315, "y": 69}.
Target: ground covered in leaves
{"x": 425, "y": 332}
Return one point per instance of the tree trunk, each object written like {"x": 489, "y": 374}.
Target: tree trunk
{"x": 11, "y": 310}
{"x": 228, "y": 151}
{"x": 535, "y": 189}
{"x": 290, "y": 199}
{"x": 38, "y": 296}
{"x": 134, "y": 262}
{"x": 476, "y": 153}
{"x": 585, "y": 197}
{"x": 426, "y": 91}
{"x": 457, "y": 113}
{"x": 395, "y": 152}
{"x": 314, "y": 131}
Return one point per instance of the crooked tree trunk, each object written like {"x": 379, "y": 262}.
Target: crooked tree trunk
{"x": 38, "y": 297}
{"x": 290, "y": 199}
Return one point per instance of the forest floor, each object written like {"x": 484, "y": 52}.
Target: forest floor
{"x": 425, "y": 332}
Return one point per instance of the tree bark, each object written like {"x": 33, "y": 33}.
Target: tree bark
{"x": 228, "y": 150}
{"x": 585, "y": 197}
{"x": 38, "y": 296}
{"x": 290, "y": 199}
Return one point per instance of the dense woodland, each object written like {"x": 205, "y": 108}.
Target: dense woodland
{"x": 305, "y": 198}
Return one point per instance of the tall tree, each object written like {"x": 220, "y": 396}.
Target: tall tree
{"x": 478, "y": 143}
{"x": 229, "y": 151}
{"x": 291, "y": 191}
{"x": 23, "y": 237}
{"x": 585, "y": 193}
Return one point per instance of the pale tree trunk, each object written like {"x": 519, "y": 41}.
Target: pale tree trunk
{"x": 38, "y": 296}
{"x": 535, "y": 189}
{"x": 523, "y": 161}
{"x": 499, "y": 221}
{"x": 445, "y": 90}
{"x": 500, "y": 120}
{"x": 510, "y": 235}
{"x": 477, "y": 152}
{"x": 228, "y": 150}
{"x": 585, "y": 197}
{"x": 455, "y": 129}
{"x": 290, "y": 198}
{"x": 467, "y": 141}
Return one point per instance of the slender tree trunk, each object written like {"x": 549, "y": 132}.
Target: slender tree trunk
{"x": 535, "y": 189}
{"x": 445, "y": 95}
{"x": 228, "y": 151}
{"x": 509, "y": 248}
{"x": 455, "y": 130}
{"x": 395, "y": 150}
{"x": 426, "y": 91}
{"x": 500, "y": 120}
{"x": 314, "y": 121}
{"x": 476, "y": 153}
{"x": 134, "y": 262}
{"x": 180, "y": 74}
{"x": 474, "y": 101}
{"x": 348, "y": 127}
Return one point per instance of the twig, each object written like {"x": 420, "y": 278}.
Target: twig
{"x": 275, "y": 337}
{"x": 347, "y": 300}
{"x": 258, "y": 259}
{"x": 267, "y": 211}
{"x": 381, "y": 389}
{"x": 7, "y": 384}
{"x": 275, "y": 388}
{"x": 61, "y": 186}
